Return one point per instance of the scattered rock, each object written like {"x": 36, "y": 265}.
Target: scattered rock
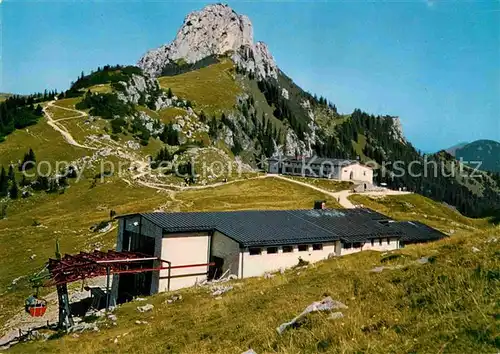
{"x": 284, "y": 93}
{"x": 268, "y": 275}
{"x": 33, "y": 256}
{"x": 113, "y": 318}
{"x": 83, "y": 326}
{"x": 14, "y": 282}
{"x": 250, "y": 351}
{"x": 380, "y": 269}
{"x": 327, "y": 304}
{"x": 174, "y": 298}
{"x": 335, "y": 315}
{"x": 145, "y": 308}
{"x": 423, "y": 260}
{"x": 475, "y": 249}
{"x": 377, "y": 269}
{"x": 219, "y": 290}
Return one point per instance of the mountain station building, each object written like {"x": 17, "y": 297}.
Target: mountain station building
{"x": 199, "y": 246}
{"x": 339, "y": 169}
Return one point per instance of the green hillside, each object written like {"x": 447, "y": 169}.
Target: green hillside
{"x": 4, "y": 96}
{"x": 213, "y": 88}
{"x": 32, "y": 225}
{"x": 447, "y": 305}
{"x": 486, "y": 152}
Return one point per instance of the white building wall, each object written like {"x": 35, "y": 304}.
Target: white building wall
{"x": 256, "y": 265}
{"x": 359, "y": 173}
{"x": 346, "y": 251}
{"x": 227, "y": 249}
{"x": 184, "y": 249}
{"x": 392, "y": 245}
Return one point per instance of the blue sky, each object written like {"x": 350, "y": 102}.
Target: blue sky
{"x": 435, "y": 64}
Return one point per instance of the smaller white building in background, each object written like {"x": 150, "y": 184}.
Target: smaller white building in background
{"x": 202, "y": 246}
{"x": 320, "y": 167}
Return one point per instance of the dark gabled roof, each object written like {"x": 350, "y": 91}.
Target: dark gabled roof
{"x": 414, "y": 231}
{"x": 314, "y": 160}
{"x": 280, "y": 227}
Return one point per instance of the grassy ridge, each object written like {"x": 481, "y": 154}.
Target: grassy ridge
{"x": 212, "y": 88}
{"x": 448, "y": 305}
{"x": 325, "y": 183}
{"x": 417, "y": 207}
{"x": 46, "y": 142}
{"x": 70, "y": 215}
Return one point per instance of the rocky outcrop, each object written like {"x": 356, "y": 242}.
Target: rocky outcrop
{"x": 146, "y": 91}
{"x": 215, "y": 30}
{"x": 397, "y": 130}
{"x": 138, "y": 87}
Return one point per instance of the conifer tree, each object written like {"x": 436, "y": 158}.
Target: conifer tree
{"x": 11, "y": 176}
{"x": 4, "y": 183}
{"x": 14, "y": 190}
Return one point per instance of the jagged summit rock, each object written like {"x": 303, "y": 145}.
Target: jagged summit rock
{"x": 215, "y": 30}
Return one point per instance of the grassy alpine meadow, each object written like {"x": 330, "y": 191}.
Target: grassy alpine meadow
{"x": 32, "y": 225}
{"x": 420, "y": 208}
{"x": 324, "y": 183}
{"x": 448, "y": 304}
{"x": 68, "y": 102}
{"x": 47, "y": 144}
{"x": 198, "y": 86}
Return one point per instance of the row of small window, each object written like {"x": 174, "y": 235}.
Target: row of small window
{"x": 358, "y": 244}
{"x": 286, "y": 249}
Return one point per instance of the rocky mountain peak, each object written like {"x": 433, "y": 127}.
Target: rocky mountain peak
{"x": 215, "y": 30}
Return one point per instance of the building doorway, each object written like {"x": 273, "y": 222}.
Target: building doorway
{"x": 136, "y": 284}
{"x": 215, "y": 271}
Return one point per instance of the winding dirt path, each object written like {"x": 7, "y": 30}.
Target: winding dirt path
{"x": 141, "y": 166}
{"x": 342, "y": 196}
{"x": 61, "y": 129}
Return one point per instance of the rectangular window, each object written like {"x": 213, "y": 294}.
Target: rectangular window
{"x": 388, "y": 241}
{"x": 373, "y": 241}
{"x": 287, "y": 249}
{"x": 272, "y": 250}
{"x": 303, "y": 248}
{"x": 347, "y": 245}
{"x": 317, "y": 247}
{"x": 380, "y": 242}
{"x": 254, "y": 251}
{"x": 356, "y": 245}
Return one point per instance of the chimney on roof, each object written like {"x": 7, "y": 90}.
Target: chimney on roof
{"x": 319, "y": 204}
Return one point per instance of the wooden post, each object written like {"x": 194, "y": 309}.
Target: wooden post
{"x": 107, "y": 288}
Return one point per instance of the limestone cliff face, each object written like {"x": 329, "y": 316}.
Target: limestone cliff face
{"x": 215, "y": 30}
{"x": 397, "y": 130}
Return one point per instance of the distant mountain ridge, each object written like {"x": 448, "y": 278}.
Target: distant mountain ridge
{"x": 453, "y": 149}
{"x": 485, "y": 151}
